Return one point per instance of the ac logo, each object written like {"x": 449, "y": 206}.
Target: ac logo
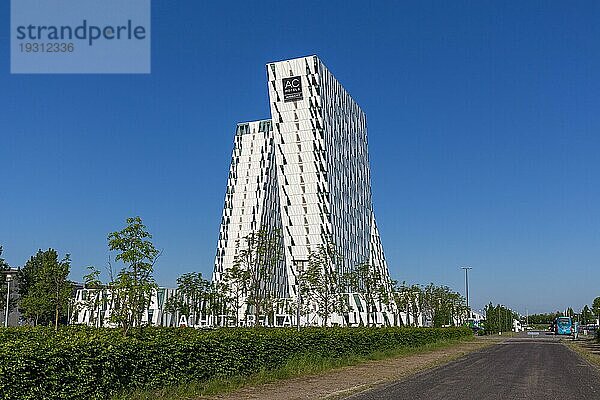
{"x": 292, "y": 89}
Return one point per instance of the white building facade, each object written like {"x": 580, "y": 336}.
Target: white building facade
{"x": 93, "y": 307}
{"x": 306, "y": 173}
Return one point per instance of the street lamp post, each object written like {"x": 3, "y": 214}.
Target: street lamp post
{"x": 467, "y": 268}
{"x": 8, "y": 279}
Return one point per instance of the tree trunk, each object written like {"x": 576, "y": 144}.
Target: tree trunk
{"x": 56, "y": 318}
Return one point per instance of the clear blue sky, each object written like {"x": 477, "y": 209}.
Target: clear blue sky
{"x": 483, "y": 117}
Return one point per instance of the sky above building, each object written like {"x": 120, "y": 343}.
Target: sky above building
{"x": 483, "y": 129}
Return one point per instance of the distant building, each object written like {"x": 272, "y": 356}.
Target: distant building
{"x": 517, "y": 327}
{"x": 477, "y": 315}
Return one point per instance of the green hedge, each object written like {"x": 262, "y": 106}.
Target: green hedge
{"x": 85, "y": 363}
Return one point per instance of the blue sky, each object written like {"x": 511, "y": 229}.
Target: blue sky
{"x": 483, "y": 137}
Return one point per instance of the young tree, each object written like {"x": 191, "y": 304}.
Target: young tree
{"x": 30, "y": 305}
{"x": 570, "y": 312}
{"x": 416, "y": 302}
{"x": 586, "y": 315}
{"x": 498, "y": 318}
{"x": 441, "y": 305}
{"x": 93, "y": 298}
{"x": 323, "y": 282}
{"x": 409, "y": 299}
{"x": 62, "y": 289}
{"x": 219, "y": 302}
{"x": 459, "y": 310}
{"x": 400, "y": 299}
{"x": 540, "y": 319}
{"x": 191, "y": 297}
{"x": 258, "y": 256}
{"x": 236, "y": 280}
{"x": 596, "y": 307}
{"x": 368, "y": 281}
{"x": 44, "y": 289}
{"x": 131, "y": 289}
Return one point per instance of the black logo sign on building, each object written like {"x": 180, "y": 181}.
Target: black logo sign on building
{"x": 292, "y": 89}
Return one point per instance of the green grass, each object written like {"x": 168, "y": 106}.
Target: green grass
{"x": 588, "y": 348}
{"x": 295, "y": 367}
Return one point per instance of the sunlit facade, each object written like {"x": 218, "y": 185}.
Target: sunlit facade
{"x": 306, "y": 172}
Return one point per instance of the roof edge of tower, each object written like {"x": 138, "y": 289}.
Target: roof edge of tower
{"x": 295, "y": 58}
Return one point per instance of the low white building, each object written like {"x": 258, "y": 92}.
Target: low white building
{"x": 94, "y": 306}
{"x": 517, "y": 327}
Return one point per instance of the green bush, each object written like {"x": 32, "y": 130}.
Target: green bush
{"x": 86, "y": 363}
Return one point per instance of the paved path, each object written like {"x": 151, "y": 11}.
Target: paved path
{"x": 526, "y": 367}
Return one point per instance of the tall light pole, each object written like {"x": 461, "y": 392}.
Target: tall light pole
{"x": 467, "y": 268}
{"x": 8, "y": 279}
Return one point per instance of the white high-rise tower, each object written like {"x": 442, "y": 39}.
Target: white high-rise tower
{"x": 306, "y": 172}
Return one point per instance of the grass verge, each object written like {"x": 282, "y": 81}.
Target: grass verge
{"x": 295, "y": 367}
{"x": 588, "y": 348}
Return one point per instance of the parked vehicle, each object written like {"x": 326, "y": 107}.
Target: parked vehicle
{"x": 562, "y": 326}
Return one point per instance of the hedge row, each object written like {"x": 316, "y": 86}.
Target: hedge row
{"x": 84, "y": 363}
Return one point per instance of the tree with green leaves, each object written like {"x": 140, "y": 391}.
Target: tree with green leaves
{"x": 236, "y": 281}
{"x": 498, "y": 318}
{"x": 400, "y": 301}
{"x": 323, "y": 282}
{"x": 570, "y": 312}
{"x": 191, "y": 297}
{"x": 131, "y": 289}
{"x": 369, "y": 282}
{"x": 442, "y": 306}
{"x": 436, "y": 307}
{"x": 44, "y": 289}
{"x": 61, "y": 296}
{"x": 93, "y": 296}
{"x": 408, "y": 299}
{"x": 543, "y": 319}
{"x": 220, "y": 303}
{"x": 416, "y": 302}
{"x": 596, "y": 307}
{"x": 586, "y": 315}
{"x": 258, "y": 254}
{"x": 33, "y": 306}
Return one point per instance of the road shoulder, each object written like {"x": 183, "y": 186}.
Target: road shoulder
{"x": 588, "y": 348}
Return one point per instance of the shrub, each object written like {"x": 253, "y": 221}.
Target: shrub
{"x": 87, "y": 363}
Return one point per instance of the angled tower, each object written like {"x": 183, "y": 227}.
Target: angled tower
{"x": 306, "y": 171}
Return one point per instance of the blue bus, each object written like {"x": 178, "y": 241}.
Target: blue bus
{"x": 562, "y": 326}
